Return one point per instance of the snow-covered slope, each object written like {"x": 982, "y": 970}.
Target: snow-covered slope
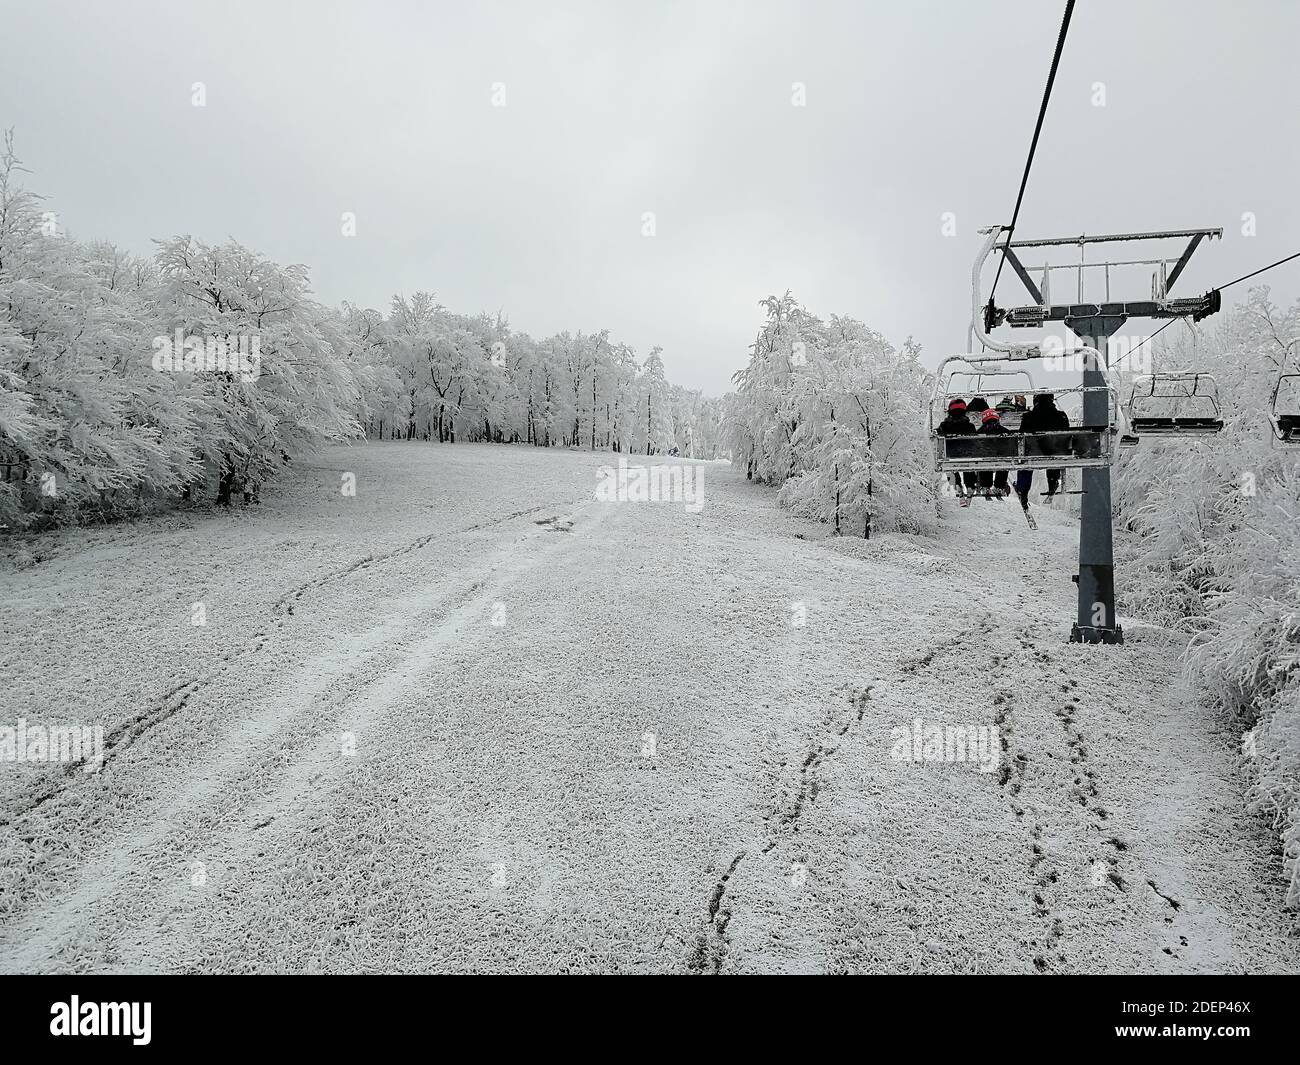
{"x": 472, "y": 719}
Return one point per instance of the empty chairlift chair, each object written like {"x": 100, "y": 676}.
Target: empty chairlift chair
{"x": 1285, "y": 413}
{"x": 1182, "y": 403}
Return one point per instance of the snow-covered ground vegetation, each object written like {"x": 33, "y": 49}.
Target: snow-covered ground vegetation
{"x": 473, "y": 719}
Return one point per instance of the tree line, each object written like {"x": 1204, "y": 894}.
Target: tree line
{"x": 130, "y": 382}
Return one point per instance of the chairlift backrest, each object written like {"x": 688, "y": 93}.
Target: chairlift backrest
{"x": 1174, "y": 394}
{"x": 1286, "y": 394}
{"x": 1285, "y": 410}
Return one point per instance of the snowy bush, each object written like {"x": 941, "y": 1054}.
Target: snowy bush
{"x": 835, "y": 415}
{"x": 1216, "y": 551}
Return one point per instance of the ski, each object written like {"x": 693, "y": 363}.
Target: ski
{"x": 1030, "y": 518}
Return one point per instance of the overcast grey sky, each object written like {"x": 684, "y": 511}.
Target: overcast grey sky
{"x": 624, "y": 107}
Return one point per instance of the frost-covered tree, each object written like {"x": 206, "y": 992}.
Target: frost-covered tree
{"x": 836, "y": 416}
{"x": 695, "y": 421}
{"x": 84, "y": 423}
{"x": 299, "y": 396}
{"x": 654, "y": 402}
{"x": 1213, "y": 549}
{"x": 762, "y": 437}
{"x": 116, "y": 391}
{"x": 863, "y": 427}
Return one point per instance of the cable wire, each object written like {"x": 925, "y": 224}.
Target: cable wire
{"x": 1255, "y": 273}
{"x": 1038, "y": 129}
{"x": 1244, "y": 277}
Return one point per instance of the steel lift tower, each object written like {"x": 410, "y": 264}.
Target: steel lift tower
{"x": 1095, "y": 324}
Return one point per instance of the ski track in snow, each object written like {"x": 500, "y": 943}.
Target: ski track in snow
{"x": 351, "y": 768}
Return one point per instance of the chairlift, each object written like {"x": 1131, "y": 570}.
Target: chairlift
{"x": 1285, "y": 411}
{"x": 1089, "y": 446}
{"x": 1081, "y": 447}
{"x": 1179, "y": 403}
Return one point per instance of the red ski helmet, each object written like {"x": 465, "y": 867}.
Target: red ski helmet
{"x": 991, "y": 416}
{"x": 957, "y": 404}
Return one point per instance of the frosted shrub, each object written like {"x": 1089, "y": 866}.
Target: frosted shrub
{"x": 1216, "y": 553}
{"x": 835, "y": 416}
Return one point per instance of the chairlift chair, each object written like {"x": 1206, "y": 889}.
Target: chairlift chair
{"x": 1088, "y": 446}
{"x": 1179, "y": 403}
{"x": 1285, "y": 411}
{"x": 1079, "y": 447}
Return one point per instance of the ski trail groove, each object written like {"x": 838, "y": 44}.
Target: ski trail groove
{"x": 711, "y": 942}
{"x": 781, "y": 824}
{"x": 411, "y": 651}
{"x": 809, "y": 783}
{"x": 911, "y": 667}
{"x": 286, "y": 601}
{"x": 124, "y": 734}
{"x": 1042, "y": 871}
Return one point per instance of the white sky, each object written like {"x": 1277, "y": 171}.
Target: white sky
{"x": 684, "y": 109}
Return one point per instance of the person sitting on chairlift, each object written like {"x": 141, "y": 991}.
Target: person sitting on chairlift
{"x": 993, "y": 483}
{"x": 1045, "y": 417}
{"x": 958, "y": 424}
{"x": 1013, "y": 406}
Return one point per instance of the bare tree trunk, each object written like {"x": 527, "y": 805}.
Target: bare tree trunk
{"x": 227, "y": 483}
{"x": 871, "y": 480}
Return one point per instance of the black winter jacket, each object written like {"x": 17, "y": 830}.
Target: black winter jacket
{"x": 1045, "y": 416}
{"x": 956, "y": 424}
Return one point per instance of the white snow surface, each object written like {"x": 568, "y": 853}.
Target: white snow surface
{"x": 504, "y": 811}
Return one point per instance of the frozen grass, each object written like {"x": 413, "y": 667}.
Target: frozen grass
{"x": 646, "y": 766}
